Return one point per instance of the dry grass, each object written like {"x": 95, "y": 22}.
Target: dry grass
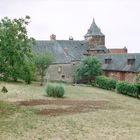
{"x": 119, "y": 121}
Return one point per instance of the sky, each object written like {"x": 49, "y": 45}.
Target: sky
{"x": 119, "y": 20}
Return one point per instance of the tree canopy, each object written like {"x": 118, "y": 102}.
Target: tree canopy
{"x": 15, "y": 48}
{"x": 88, "y": 69}
{"x": 42, "y": 62}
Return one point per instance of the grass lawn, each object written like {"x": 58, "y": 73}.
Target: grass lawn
{"x": 117, "y": 119}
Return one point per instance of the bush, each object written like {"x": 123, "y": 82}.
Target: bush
{"x": 55, "y": 90}
{"x": 127, "y": 89}
{"x": 138, "y": 83}
{"x": 105, "y": 82}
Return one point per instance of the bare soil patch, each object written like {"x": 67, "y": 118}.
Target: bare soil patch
{"x": 72, "y": 106}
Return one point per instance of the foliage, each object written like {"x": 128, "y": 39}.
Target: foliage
{"x": 105, "y": 82}
{"x": 138, "y": 79}
{"x": 15, "y": 47}
{"x": 42, "y": 62}
{"x": 88, "y": 69}
{"x": 127, "y": 88}
{"x": 28, "y": 71}
{"x": 138, "y": 83}
{"x": 55, "y": 90}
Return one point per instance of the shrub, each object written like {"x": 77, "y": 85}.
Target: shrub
{"x": 55, "y": 90}
{"x": 105, "y": 82}
{"x": 138, "y": 83}
{"x": 127, "y": 88}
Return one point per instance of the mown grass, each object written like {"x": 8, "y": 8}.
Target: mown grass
{"x": 14, "y": 119}
{"x": 120, "y": 121}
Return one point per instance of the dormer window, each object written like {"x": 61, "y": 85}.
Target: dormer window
{"x": 108, "y": 60}
{"x": 130, "y": 61}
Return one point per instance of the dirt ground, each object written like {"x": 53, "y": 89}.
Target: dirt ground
{"x": 64, "y": 106}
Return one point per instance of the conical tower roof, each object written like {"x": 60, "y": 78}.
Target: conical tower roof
{"x": 94, "y": 30}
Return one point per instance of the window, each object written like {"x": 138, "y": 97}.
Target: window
{"x": 130, "y": 61}
{"x": 60, "y": 69}
{"x": 108, "y": 60}
{"x": 98, "y": 51}
{"x": 63, "y": 76}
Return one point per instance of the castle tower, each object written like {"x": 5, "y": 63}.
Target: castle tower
{"x": 94, "y": 36}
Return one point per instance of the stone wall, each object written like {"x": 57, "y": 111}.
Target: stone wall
{"x": 64, "y": 72}
{"x": 96, "y": 40}
{"x": 130, "y": 77}
{"x": 60, "y": 72}
{"x": 122, "y": 76}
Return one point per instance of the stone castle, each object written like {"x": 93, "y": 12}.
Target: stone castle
{"x": 116, "y": 63}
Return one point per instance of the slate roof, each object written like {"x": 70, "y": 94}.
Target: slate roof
{"x": 94, "y": 30}
{"x": 64, "y": 51}
{"x": 119, "y": 62}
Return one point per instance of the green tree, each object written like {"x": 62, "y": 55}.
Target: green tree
{"x": 28, "y": 71}
{"x": 88, "y": 69}
{"x": 15, "y": 47}
{"x": 42, "y": 62}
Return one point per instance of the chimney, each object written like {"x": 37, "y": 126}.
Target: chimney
{"x": 53, "y": 37}
{"x": 125, "y": 49}
{"x": 71, "y": 38}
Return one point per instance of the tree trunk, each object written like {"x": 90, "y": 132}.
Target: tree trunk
{"x": 15, "y": 79}
{"x": 42, "y": 80}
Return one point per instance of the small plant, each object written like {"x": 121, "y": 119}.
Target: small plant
{"x": 55, "y": 90}
{"x": 4, "y": 89}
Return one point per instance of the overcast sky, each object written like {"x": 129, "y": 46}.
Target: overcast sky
{"x": 119, "y": 20}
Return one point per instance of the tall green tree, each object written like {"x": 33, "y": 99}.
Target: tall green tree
{"x": 88, "y": 69}
{"x": 15, "y": 47}
{"x": 42, "y": 62}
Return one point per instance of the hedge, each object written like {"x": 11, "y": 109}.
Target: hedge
{"x": 105, "y": 82}
{"x": 55, "y": 90}
{"x": 127, "y": 88}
